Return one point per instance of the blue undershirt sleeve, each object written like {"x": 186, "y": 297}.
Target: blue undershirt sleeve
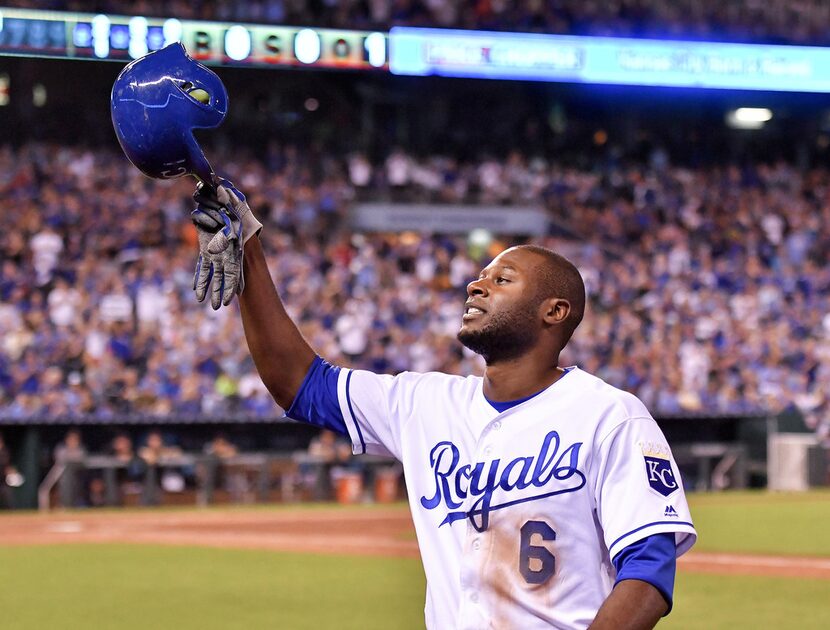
{"x": 317, "y": 403}
{"x": 653, "y": 560}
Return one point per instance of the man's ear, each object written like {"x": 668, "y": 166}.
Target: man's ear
{"x": 556, "y": 311}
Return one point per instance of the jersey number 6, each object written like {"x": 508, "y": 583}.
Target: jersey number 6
{"x": 536, "y": 563}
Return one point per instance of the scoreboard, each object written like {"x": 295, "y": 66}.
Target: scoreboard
{"x": 426, "y": 51}
{"x": 123, "y": 38}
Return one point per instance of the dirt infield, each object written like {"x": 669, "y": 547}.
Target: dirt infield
{"x": 374, "y": 532}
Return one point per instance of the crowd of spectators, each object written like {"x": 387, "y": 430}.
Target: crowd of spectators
{"x": 709, "y": 289}
{"x": 777, "y": 21}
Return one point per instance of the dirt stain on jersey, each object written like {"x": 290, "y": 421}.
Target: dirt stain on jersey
{"x": 509, "y": 594}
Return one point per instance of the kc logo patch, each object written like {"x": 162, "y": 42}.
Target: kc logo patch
{"x": 660, "y": 475}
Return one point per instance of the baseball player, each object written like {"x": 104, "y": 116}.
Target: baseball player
{"x": 541, "y": 496}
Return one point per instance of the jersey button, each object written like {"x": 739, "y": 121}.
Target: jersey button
{"x": 496, "y": 425}
{"x": 488, "y": 450}
{"x": 476, "y": 544}
{"x": 474, "y": 597}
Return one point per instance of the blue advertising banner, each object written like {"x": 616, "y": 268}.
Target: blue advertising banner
{"x": 608, "y": 60}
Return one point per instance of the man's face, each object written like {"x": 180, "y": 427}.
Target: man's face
{"x": 501, "y": 316}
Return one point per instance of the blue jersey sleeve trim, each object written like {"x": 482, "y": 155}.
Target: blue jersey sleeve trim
{"x": 316, "y": 402}
{"x": 637, "y": 529}
{"x": 653, "y": 560}
{"x": 351, "y": 411}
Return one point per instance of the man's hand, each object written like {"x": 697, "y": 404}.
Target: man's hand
{"x": 223, "y": 222}
{"x": 219, "y": 266}
{"x": 232, "y": 199}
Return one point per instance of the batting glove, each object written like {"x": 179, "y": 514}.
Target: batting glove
{"x": 224, "y": 222}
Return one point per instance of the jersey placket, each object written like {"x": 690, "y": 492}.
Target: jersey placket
{"x": 473, "y": 613}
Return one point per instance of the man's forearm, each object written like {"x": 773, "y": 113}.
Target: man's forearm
{"x": 281, "y": 355}
{"x": 632, "y": 605}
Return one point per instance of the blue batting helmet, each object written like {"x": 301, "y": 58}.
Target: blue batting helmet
{"x": 157, "y": 101}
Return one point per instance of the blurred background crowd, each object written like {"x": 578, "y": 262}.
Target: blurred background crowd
{"x": 772, "y": 21}
{"x": 704, "y": 247}
{"x": 709, "y": 288}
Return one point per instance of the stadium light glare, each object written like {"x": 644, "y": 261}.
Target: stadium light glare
{"x": 238, "y": 43}
{"x": 748, "y": 117}
{"x": 101, "y": 36}
{"x": 753, "y": 114}
{"x": 82, "y": 36}
{"x": 376, "y": 49}
{"x": 172, "y": 30}
{"x": 307, "y": 46}
{"x": 138, "y": 37}
{"x": 1, "y": 21}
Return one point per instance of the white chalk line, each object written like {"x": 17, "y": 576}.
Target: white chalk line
{"x": 749, "y": 561}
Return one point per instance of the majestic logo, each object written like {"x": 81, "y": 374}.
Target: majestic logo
{"x": 554, "y": 469}
{"x": 660, "y": 475}
{"x": 670, "y": 511}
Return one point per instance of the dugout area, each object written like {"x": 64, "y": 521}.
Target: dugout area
{"x": 713, "y": 452}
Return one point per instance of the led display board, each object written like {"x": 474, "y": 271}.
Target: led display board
{"x": 421, "y": 52}
{"x": 122, "y": 38}
{"x": 608, "y": 60}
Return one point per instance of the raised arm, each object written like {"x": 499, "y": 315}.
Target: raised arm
{"x": 225, "y": 223}
{"x": 281, "y": 355}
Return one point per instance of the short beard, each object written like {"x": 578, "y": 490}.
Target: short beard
{"x": 506, "y": 336}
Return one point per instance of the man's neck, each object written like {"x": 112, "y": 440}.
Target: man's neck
{"x": 521, "y": 377}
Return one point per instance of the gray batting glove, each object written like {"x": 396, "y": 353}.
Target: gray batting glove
{"x": 223, "y": 222}
{"x": 219, "y": 266}
{"x": 232, "y": 198}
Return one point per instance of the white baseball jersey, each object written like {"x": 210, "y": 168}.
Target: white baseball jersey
{"x": 518, "y": 514}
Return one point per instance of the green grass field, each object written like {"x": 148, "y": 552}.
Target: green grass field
{"x": 762, "y": 522}
{"x": 140, "y": 587}
{"x": 126, "y": 587}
